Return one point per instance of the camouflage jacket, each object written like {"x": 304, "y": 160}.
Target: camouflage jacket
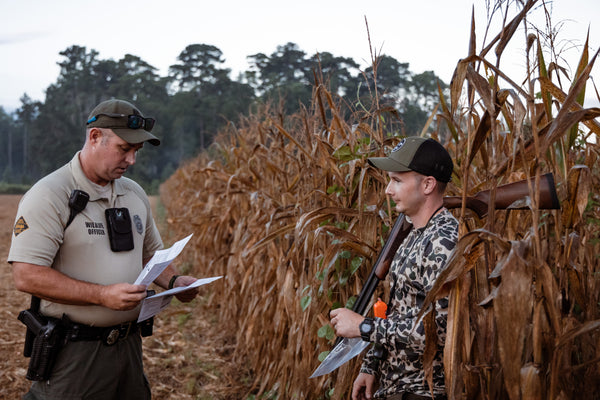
{"x": 414, "y": 270}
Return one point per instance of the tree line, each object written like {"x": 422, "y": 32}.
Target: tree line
{"x": 196, "y": 98}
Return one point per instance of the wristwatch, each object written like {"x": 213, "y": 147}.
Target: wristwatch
{"x": 366, "y": 328}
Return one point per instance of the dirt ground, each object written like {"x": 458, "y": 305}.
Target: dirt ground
{"x": 188, "y": 357}
{"x": 13, "y": 365}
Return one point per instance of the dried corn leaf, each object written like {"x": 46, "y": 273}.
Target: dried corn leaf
{"x": 513, "y": 309}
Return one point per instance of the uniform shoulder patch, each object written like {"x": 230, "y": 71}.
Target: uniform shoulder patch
{"x": 20, "y": 226}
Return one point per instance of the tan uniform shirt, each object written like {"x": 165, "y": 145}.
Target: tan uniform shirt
{"x": 82, "y": 251}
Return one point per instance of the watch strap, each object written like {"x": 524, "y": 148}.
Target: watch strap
{"x": 172, "y": 281}
{"x": 366, "y": 328}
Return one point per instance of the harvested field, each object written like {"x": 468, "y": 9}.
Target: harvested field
{"x": 13, "y": 365}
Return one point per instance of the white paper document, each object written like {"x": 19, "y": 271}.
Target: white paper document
{"x": 154, "y": 304}
{"x": 160, "y": 261}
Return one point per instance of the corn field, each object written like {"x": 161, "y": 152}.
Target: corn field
{"x": 288, "y": 210}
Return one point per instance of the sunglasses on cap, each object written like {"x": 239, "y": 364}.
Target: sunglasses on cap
{"x": 133, "y": 121}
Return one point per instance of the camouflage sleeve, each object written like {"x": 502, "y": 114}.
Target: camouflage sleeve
{"x": 397, "y": 333}
{"x": 369, "y": 364}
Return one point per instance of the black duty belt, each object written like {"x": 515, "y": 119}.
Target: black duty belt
{"x": 109, "y": 335}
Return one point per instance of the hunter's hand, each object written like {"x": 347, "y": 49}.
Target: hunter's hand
{"x": 345, "y": 322}
{"x": 122, "y": 296}
{"x": 363, "y": 387}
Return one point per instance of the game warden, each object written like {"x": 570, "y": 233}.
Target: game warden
{"x": 81, "y": 237}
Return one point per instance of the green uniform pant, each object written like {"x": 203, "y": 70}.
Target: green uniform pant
{"x": 91, "y": 370}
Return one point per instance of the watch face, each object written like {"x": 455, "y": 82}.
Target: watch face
{"x": 366, "y": 327}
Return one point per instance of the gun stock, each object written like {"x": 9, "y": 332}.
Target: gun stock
{"x": 510, "y": 196}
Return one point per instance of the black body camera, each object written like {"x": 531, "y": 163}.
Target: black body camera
{"x": 120, "y": 233}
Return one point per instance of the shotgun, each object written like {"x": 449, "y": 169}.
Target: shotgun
{"x": 508, "y": 196}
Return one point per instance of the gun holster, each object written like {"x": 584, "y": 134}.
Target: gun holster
{"x": 146, "y": 327}
{"x": 45, "y": 337}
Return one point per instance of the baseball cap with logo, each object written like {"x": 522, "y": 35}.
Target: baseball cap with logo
{"x": 125, "y": 120}
{"x": 425, "y": 156}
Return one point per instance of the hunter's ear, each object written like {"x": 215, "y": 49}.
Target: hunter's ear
{"x": 429, "y": 184}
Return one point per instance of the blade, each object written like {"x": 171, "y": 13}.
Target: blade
{"x": 346, "y": 350}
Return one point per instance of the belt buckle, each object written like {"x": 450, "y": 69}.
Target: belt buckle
{"x": 118, "y": 332}
{"x": 112, "y": 337}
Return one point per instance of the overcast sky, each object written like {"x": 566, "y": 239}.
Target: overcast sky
{"x": 428, "y": 34}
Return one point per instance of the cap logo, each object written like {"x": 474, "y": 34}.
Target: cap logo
{"x": 399, "y": 145}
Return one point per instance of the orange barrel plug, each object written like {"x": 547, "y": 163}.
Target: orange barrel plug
{"x": 379, "y": 309}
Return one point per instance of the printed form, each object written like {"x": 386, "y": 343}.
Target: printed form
{"x": 154, "y": 304}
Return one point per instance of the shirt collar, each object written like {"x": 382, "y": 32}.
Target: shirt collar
{"x": 84, "y": 183}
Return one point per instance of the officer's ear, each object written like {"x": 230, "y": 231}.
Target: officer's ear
{"x": 94, "y": 136}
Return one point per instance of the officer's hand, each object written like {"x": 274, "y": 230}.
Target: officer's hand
{"x": 363, "y": 387}
{"x": 122, "y": 296}
{"x": 188, "y": 295}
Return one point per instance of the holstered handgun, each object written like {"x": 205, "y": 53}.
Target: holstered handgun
{"x": 30, "y": 335}
{"x": 48, "y": 338}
